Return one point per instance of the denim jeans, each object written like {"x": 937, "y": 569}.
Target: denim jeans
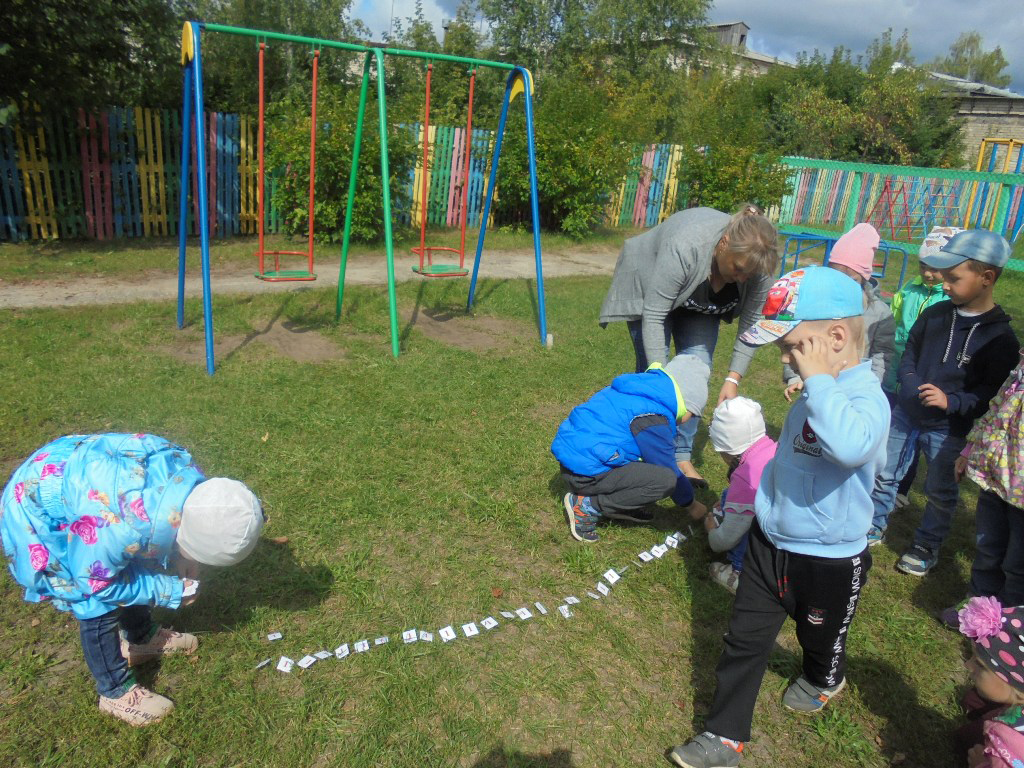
{"x": 998, "y": 569}
{"x": 101, "y": 645}
{"x": 737, "y": 553}
{"x": 940, "y": 450}
{"x": 692, "y": 334}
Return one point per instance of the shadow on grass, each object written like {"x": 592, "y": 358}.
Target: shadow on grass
{"x": 269, "y": 578}
{"x": 500, "y": 757}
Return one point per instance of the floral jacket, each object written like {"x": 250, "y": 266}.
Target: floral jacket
{"x": 995, "y": 445}
{"x": 89, "y": 521}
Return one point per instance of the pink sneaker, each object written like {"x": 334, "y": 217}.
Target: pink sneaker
{"x": 164, "y": 642}
{"x": 138, "y": 707}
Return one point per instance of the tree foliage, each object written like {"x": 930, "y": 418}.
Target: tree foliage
{"x": 968, "y": 59}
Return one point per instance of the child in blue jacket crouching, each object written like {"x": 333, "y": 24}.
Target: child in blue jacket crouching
{"x": 617, "y": 449}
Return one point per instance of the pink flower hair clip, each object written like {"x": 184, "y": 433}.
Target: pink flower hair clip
{"x": 981, "y": 618}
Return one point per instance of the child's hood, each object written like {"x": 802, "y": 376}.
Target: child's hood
{"x": 654, "y": 385}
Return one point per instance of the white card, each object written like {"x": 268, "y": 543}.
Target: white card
{"x": 524, "y": 613}
{"x": 426, "y": 637}
{"x": 594, "y": 595}
{"x": 565, "y": 610}
{"x": 380, "y": 641}
{"x": 508, "y": 614}
{"x": 680, "y": 536}
{"x": 274, "y": 636}
{"x": 489, "y": 623}
{"x": 190, "y": 589}
{"x": 285, "y": 664}
{"x": 570, "y": 600}
{"x": 611, "y": 575}
{"x": 341, "y": 651}
{"x": 541, "y": 608}
{"x": 448, "y": 634}
{"x": 307, "y": 661}
{"x": 672, "y": 541}
{"x": 603, "y": 588}
{"x": 362, "y": 646}
{"x": 470, "y": 629}
{"x": 646, "y": 556}
{"x": 263, "y": 663}
{"x": 322, "y": 655}
{"x": 659, "y": 550}
{"x": 409, "y": 636}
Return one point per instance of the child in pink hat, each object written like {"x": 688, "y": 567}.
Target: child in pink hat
{"x": 853, "y": 254}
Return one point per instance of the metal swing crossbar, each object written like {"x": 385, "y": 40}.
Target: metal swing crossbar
{"x": 278, "y": 275}
{"x": 427, "y": 267}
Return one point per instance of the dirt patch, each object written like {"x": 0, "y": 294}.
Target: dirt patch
{"x": 476, "y": 334}
{"x": 285, "y": 338}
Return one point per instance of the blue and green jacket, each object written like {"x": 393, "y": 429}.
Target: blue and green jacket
{"x": 634, "y": 419}
{"x": 89, "y": 521}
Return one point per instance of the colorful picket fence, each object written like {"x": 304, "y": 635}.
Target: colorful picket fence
{"x": 649, "y": 192}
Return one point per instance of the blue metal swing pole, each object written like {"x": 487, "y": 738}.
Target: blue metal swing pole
{"x": 204, "y": 219}
{"x": 518, "y": 72}
{"x": 186, "y": 150}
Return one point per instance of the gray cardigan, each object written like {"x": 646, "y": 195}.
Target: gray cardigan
{"x": 658, "y": 270}
{"x": 879, "y": 333}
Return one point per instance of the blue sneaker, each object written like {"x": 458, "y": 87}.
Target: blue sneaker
{"x": 805, "y": 697}
{"x": 875, "y": 536}
{"x": 582, "y": 517}
{"x": 708, "y": 751}
{"x": 917, "y": 560}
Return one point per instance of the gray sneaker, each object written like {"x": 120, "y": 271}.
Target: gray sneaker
{"x": 805, "y": 697}
{"x": 708, "y": 751}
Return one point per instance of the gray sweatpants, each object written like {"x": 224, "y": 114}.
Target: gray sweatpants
{"x": 623, "y": 489}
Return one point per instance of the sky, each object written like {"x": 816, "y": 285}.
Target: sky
{"x": 784, "y": 28}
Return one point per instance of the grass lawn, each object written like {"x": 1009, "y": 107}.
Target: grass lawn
{"x": 420, "y": 492}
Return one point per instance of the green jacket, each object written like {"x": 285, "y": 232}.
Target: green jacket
{"x": 907, "y": 305}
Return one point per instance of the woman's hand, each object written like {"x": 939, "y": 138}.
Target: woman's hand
{"x": 730, "y": 389}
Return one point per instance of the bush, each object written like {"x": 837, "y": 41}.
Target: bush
{"x": 287, "y": 151}
{"x": 724, "y": 177}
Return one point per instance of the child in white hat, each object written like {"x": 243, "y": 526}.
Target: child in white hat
{"x": 737, "y": 432}
{"x": 96, "y": 525}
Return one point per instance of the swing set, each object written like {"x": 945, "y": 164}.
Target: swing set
{"x": 519, "y": 82}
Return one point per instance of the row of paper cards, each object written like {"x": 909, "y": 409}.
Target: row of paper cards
{"x": 472, "y": 629}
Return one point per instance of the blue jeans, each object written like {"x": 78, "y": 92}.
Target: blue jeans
{"x": 940, "y": 450}
{"x": 101, "y": 645}
{"x": 693, "y": 334}
{"x": 737, "y": 553}
{"x": 998, "y": 569}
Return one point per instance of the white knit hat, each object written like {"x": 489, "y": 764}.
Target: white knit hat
{"x": 220, "y": 522}
{"x": 736, "y": 425}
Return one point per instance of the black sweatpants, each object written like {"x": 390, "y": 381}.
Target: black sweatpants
{"x": 623, "y": 489}
{"x": 820, "y": 594}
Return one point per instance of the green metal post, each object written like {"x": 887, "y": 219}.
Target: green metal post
{"x": 353, "y": 175}
{"x": 854, "y": 201}
{"x": 385, "y": 183}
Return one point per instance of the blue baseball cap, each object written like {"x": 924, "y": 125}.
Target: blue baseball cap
{"x": 976, "y": 244}
{"x": 809, "y": 293}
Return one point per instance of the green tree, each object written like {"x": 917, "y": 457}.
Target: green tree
{"x": 968, "y": 59}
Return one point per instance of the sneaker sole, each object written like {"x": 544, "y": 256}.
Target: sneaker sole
{"x": 910, "y": 572}
{"x": 876, "y": 542}
{"x": 834, "y": 693}
{"x": 571, "y": 517}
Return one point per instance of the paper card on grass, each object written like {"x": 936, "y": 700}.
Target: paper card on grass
{"x": 341, "y": 651}
{"x": 603, "y": 588}
{"x": 570, "y": 600}
{"x": 190, "y": 589}
{"x": 426, "y": 637}
{"x": 263, "y": 663}
{"x": 611, "y": 576}
{"x": 524, "y": 613}
{"x": 285, "y": 664}
{"x": 362, "y": 646}
{"x": 646, "y": 556}
{"x": 672, "y": 541}
{"x": 307, "y": 661}
{"x": 508, "y": 614}
{"x": 470, "y": 629}
{"x": 409, "y": 636}
{"x": 594, "y": 595}
{"x": 274, "y": 636}
{"x": 380, "y": 640}
{"x": 489, "y": 623}
{"x": 541, "y": 608}
{"x": 323, "y": 655}
{"x": 659, "y": 550}
{"x": 448, "y": 634}
{"x": 680, "y": 536}
{"x": 565, "y": 610}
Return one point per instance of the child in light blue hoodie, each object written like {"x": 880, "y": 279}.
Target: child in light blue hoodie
{"x": 807, "y": 556}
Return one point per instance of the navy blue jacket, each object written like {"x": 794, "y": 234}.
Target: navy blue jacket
{"x": 968, "y": 358}
{"x": 634, "y": 419}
